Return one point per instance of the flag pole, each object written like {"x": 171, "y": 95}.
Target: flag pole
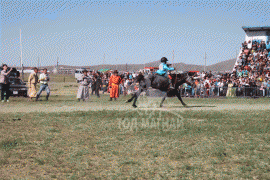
{"x": 21, "y": 47}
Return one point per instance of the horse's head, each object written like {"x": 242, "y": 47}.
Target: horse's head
{"x": 181, "y": 78}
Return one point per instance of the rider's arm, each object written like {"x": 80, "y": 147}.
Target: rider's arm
{"x": 165, "y": 67}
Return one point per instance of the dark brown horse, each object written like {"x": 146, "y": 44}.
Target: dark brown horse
{"x": 161, "y": 83}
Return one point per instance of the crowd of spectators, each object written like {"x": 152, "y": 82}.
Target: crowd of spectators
{"x": 250, "y": 76}
{"x": 100, "y": 82}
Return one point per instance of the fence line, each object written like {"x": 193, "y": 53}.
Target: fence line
{"x": 222, "y": 92}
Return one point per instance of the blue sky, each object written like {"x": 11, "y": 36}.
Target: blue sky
{"x": 83, "y": 32}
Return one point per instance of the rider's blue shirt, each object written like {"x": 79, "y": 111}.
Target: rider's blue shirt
{"x": 163, "y": 69}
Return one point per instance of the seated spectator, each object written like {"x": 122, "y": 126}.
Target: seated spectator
{"x": 243, "y": 46}
{"x": 254, "y": 46}
{"x": 259, "y": 47}
{"x": 265, "y": 53}
{"x": 202, "y": 75}
{"x": 245, "y": 72}
{"x": 263, "y": 46}
{"x": 240, "y": 61}
{"x": 255, "y": 57}
{"x": 249, "y": 45}
{"x": 246, "y": 51}
{"x": 252, "y": 66}
{"x": 268, "y": 46}
{"x": 239, "y": 73}
{"x": 249, "y": 59}
{"x": 210, "y": 75}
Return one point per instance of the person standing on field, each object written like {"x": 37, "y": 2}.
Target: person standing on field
{"x": 114, "y": 82}
{"x": 4, "y": 82}
{"x": 32, "y": 81}
{"x": 43, "y": 79}
{"x": 83, "y": 91}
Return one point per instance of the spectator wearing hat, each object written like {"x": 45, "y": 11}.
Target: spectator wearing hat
{"x": 83, "y": 91}
{"x": 44, "y": 79}
{"x": 114, "y": 82}
{"x": 4, "y": 82}
{"x": 32, "y": 82}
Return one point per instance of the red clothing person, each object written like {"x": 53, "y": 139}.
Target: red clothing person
{"x": 114, "y": 82}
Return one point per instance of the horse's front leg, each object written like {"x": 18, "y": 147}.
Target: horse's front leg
{"x": 180, "y": 98}
{"x": 162, "y": 101}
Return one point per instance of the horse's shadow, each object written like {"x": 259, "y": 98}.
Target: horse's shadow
{"x": 188, "y": 106}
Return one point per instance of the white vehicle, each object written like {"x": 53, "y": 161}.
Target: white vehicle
{"x": 78, "y": 73}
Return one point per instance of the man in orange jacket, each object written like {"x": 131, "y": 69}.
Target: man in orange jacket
{"x": 114, "y": 82}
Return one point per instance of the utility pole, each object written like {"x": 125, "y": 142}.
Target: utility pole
{"x": 173, "y": 58}
{"x": 104, "y": 62}
{"x": 57, "y": 63}
{"x": 116, "y": 64}
{"x": 126, "y": 67}
{"x": 205, "y": 62}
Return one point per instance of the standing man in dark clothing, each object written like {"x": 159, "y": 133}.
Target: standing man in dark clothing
{"x": 5, "y": 83}
{"x": 93, "y": 84}
{"x": 98, "y": 81}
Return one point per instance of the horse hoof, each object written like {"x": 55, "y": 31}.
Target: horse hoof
{"x": 134, "y": 106}
{"x": 161, "y": 106}
{"x": 128, "y": 101}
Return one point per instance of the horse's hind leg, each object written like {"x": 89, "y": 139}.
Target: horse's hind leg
{"x": 136, "y": 95}
{"x": 135, "y": 100}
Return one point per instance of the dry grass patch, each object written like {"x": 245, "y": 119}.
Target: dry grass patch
{"x": 91, "y": 145}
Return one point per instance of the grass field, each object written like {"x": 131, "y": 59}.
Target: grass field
{"x": 65, "y": 139}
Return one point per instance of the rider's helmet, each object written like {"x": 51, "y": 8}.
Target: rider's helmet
{"x": 164, "y": 59}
